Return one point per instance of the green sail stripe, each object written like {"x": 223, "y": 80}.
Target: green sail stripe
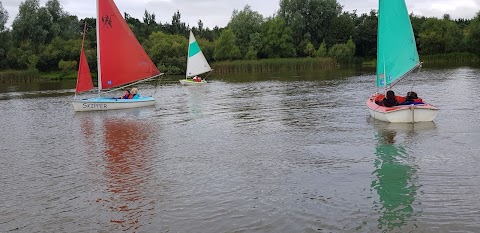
{"x": 396, "y": 49}
{"x": 193, "y": 49}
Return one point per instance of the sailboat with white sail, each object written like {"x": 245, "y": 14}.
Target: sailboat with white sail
{"x": 121, "y": 61}
{"x": 397, "y": 56}
{"x": 196, "y": 64}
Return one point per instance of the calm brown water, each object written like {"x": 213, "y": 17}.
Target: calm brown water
{"x": 246, "y": 153}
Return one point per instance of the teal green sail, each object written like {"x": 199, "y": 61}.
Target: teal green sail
{"x": 193, "y": 49}
{"x": 396, "y": 49}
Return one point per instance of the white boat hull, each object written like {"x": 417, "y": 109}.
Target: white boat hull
{"x": 402, "y": 113}
{"x": 103, "y": 104}
{"x": 189, "y": 82}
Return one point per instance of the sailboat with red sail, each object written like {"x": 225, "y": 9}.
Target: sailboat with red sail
{"x": 121, "y": 61}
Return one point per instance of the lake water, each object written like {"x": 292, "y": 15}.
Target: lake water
{"x": 245, "y": 153}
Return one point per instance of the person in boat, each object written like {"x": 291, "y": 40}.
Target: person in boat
{"x": 126, "y": 95}
{"x": 389, "y": 100}
{"x": 411, "y": 98}
{"x": 134, "y": 93}
{"x": 197, "y": 79}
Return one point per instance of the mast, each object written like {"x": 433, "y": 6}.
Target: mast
{"x": 98, "y": 48}
{"x": 384, "y": 77}
{"x": 188, "y": 54}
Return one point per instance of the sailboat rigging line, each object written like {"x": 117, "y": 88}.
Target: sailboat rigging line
{"x": 415, "y": 80}
{"x": 208, "y": 74}
{"x": 403, "y": 76}
{"x": 156, "y": 84}
{"x": 131, "y": 84}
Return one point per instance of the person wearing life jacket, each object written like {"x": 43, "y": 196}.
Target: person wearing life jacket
{"x": 412, "y": 98}
{"x": 389, "y": 100}
{"x": 197, "y": 79}
{"x": 126, "y": 94}
{"x": 134, "y": 93}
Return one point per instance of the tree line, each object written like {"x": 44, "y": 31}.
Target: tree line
{"x": 47, "y": 38}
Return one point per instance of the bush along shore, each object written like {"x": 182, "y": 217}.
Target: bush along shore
{"x": 19, "y": 76}
{"x": 270, "y": 65}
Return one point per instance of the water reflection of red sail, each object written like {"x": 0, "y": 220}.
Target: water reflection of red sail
{"x": 127, "y": 172}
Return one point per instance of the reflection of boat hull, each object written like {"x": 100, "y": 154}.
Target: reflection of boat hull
{"x": 101, "y": 104}
{"x": 190, "y": 82}
{"x": 382, "y": 125}
{"x": 403, "y": 113}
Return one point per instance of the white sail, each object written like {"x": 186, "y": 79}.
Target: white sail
{"x": 196, "y": 63}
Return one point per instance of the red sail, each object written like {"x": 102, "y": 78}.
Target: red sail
{"x": 84, "y": 78}
{"x": 122, "y": 58}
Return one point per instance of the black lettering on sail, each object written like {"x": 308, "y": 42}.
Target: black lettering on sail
{"x": 107, "y": 21}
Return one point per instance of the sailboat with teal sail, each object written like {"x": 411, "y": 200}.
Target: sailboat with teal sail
{"x": 397, "y": 56}
{"x": 196, "y": 64}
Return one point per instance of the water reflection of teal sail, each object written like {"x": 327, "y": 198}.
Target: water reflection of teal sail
{"x": 394, "y": 183}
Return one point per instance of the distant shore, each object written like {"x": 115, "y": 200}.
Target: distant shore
{"x": 262, "y": 65}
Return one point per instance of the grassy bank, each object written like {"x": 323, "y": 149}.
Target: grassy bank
{"x": 269, "y": 65}
{"x": 60, "y": 75}
{"x": 19, "y": 76}
{"x": 440, "y": 60}
{"x": 22, "y": 76}
{"x": 451, "y": 59}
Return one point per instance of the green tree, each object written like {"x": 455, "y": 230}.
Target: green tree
{"x": 277, "y": 39}
{"x": 251, "y": 53}
{"x": 60, "y": 49}
{"x": 225, "y": 46}
{"x": 32, "y": 62}
{"x": 66, "y": 66}
{"x": 25, "y": 26}
{"x": 3, "y": 17}
{"x": 149, "y": 24}
{"x": 55, "y": 10}
{"x": 440, "y": 36}
{"x": 343, "y": 53}
{"x": 309, "y": 16}
{"x": 341, "y": 29}
{"x": 18, "y": 57}
{"x": 310, "y": 49}
{"x": 5, "y": 46}
{"x": 5, "y": 38}
{"x": 322, "y": 50}
{"x": 245, "y": 23}
{"x": 365, "y": 35}
{"x": 177, "y": 26}
{"x": 168, "y": 52}
{"x": 473, "y": 35}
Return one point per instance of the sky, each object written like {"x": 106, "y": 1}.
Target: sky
{"x": 218, "y": 12}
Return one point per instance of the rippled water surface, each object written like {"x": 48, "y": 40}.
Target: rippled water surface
{"x": 246, "y": 153}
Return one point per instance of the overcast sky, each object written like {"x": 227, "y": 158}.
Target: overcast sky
{"x": 218, "y": 12}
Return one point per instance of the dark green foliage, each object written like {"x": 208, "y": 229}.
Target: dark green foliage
{"x": 3, "y": 17}
{"x": 245, "y": 23}
{"x": 365, "y": 35}
{"x": 473, "y": 35}
{"x": 167, "y": 51}
{"x": 343, "y": 53}
{"x": 277, "y": 39}
{"x": 225, "y": 47}
{"x": 309, "y": 16}
{"x": 440, "y": 36}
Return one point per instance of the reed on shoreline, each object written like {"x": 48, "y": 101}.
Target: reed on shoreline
{"x": 19, "y": 76}
{"x": 450, "y": 59}
{"x": 276, "y": 64}
{"x": 262, "y": 66}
